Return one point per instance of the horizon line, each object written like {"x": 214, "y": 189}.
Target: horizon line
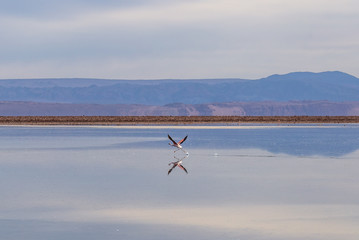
{"x": 174, "y": 79}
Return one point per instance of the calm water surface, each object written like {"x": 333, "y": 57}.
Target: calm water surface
{"x": 251, "y": 182}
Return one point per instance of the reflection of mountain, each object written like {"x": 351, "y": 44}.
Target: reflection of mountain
{"x": 320, "y": 141}
{"x": 336, "y": 141}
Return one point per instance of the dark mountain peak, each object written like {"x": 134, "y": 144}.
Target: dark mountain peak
{"x": 306, "y": 76}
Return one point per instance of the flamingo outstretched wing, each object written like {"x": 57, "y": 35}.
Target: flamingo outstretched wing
{"x": 183, "y": 168}
{"x": 184, "y": 139}
{"x": 171, "y": 139}
{"x": 169, "y": 171}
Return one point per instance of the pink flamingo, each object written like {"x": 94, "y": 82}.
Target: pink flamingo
{"x": 178, "y": 144}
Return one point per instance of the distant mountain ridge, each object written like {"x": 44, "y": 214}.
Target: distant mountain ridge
{"x": 299, "y": 86}
{"x": 306, "y": 108}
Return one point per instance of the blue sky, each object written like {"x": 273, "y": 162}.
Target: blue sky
{"x": 138, "y": 39}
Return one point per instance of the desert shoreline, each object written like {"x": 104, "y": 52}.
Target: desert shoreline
{"x": 172, "y": 120}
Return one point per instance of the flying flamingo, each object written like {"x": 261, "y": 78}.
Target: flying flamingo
{"x": 177, "y": 164}
{"x": 178, "y": 144}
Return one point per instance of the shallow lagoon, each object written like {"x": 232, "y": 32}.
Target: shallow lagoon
{"x": 248, "y": 182}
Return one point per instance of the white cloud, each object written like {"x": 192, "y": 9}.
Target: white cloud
{"x": 204, "y": 38}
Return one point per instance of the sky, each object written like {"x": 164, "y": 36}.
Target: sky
{"x": 155, "y": 39}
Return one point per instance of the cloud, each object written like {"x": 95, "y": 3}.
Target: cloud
{"x": 169, "y": 39}
{"x": 42, "y": 9}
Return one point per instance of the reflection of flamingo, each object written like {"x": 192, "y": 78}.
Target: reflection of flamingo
{"x": 178, "y": 144}
{"x": 177, "y": 164}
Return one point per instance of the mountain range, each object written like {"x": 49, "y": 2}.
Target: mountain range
{"x": 293, "y": 108}
{"x": 298, "y": 93}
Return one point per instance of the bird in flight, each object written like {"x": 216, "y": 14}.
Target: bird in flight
{"x": 177, "y": 164}
{"x": 178, "y": 144}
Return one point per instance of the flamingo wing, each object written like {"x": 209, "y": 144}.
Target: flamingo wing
{"x": 171, "y": 139}
{"x": 184, "y": 139}
{"x": 183, "y": 168}
{"x": 169, "y": 171}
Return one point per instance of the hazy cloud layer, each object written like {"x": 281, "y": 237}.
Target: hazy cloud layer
{"x": 176, "y": 39}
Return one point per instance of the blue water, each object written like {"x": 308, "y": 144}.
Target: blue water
{"x": 246, "y": 183}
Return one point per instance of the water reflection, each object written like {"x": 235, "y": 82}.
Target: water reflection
{"x": 177, "y": 163}
{"x": 108, "y": 183}
{"x": 303, "y": 141}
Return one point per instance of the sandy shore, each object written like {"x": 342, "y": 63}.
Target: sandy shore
{"x": 170, "y": 120}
